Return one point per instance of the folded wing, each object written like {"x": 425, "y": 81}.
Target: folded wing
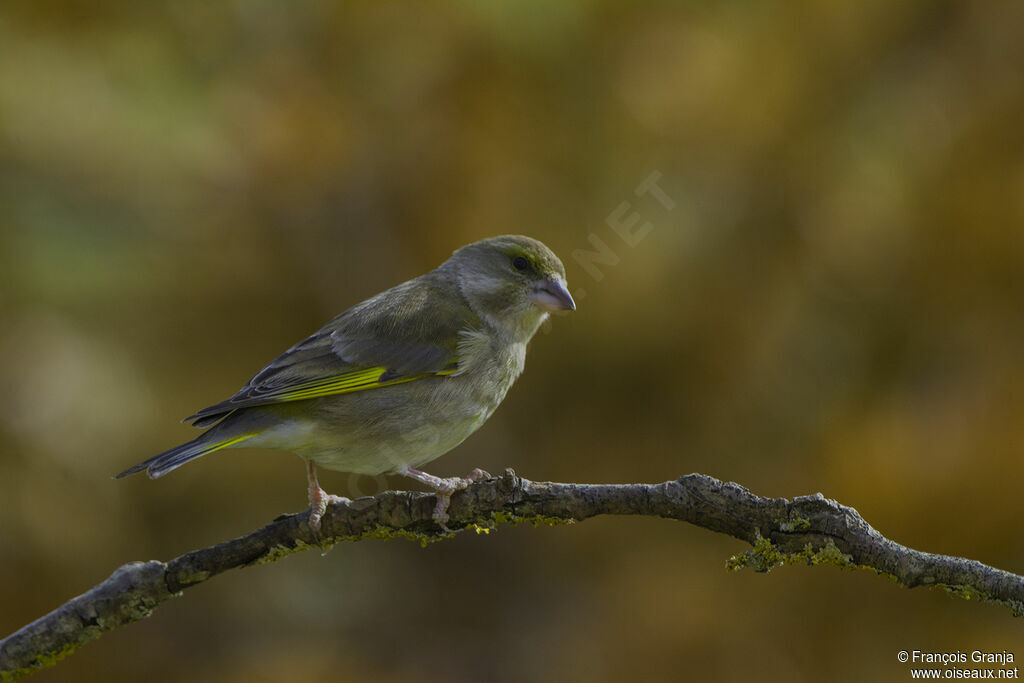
{"x": 405, "y": 334}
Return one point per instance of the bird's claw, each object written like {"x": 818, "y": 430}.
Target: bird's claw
{"x": 318, "y": 506}
{"x": 445, "y": 487}
{"x": 318, "y": 501}
{"x": 478, "y": 475}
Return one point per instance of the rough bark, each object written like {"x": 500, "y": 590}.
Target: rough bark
{"x": 809, "y": 529}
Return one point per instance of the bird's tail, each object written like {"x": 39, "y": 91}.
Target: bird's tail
{"x": 159, "y": 465}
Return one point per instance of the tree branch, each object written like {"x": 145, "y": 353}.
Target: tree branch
{"x": 809, "y": 529}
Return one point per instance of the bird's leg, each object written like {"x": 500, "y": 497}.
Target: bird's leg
{"x": 445, "y": 487}
{"x": 318, "y": 499}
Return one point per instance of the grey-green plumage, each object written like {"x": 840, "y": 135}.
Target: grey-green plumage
{"x": 401, "y": 378}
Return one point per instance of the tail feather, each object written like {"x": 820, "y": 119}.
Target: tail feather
{"x": 159, "y": 465}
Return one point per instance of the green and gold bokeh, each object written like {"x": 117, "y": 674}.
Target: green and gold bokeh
{"x": 834, "y": 303}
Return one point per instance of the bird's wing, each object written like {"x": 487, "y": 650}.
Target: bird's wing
{"x": 408, "y": 333}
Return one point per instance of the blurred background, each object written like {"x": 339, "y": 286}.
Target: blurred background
{"x": 828, "y": 296}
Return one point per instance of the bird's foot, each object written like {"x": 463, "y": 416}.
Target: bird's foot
{"x": 478, "y": 475}
{"x": 318, "y": 501}
{"x": 445, "y": 487}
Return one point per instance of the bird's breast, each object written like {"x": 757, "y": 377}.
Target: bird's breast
{"x": 489, "y": 377}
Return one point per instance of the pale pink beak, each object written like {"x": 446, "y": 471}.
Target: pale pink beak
{"x": 552, "y": 295}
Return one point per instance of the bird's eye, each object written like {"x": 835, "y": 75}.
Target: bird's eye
{"x": 520, "y": 263}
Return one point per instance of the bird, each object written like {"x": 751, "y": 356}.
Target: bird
{"x": 395, "y": 381}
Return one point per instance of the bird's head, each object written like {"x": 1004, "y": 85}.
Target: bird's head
{"x": 512, "y": 281}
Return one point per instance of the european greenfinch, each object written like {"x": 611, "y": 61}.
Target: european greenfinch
{"x": 398, "y": 380}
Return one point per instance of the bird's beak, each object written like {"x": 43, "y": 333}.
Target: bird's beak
{"x": 552, "y": 295}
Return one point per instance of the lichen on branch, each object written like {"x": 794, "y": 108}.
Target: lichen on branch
{"x": 809, "y": 529}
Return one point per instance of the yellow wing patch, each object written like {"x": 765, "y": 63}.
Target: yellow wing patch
{"x": 228, "y": 442}
{"x": 347, "y": 383}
